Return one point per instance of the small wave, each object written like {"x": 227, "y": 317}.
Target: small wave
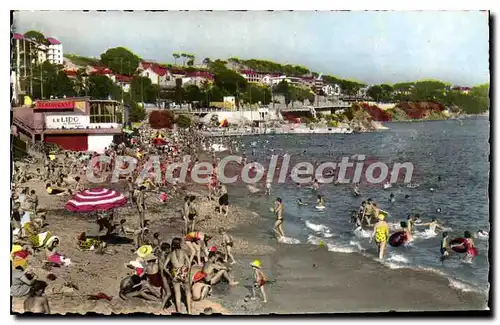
{"x": 462, "y": 286}
{"x": 332, "y": 247}
{"x": 362, "y": 233}
{"x": 289, "y": 240}
{"x": 398, "y": 258}
{"x": 356, "y": 244}
{"x": 426, "y": 234}
{"x": 319, "y": 229}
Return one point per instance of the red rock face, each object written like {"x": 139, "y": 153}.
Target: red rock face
{"x": 418, "y": 110}
{"x": 377, "y": 113}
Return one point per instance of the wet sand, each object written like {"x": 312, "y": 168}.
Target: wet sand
{"x": 309, "y": 280}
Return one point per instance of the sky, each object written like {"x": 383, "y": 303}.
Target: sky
{"x": 369, "y": 46}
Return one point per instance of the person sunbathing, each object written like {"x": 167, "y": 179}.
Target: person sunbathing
{"x": 214, "y": 271}
{"x": 37, "y": 302}
{"x": 134, "y": 286}
{"x": 53, "y": 191}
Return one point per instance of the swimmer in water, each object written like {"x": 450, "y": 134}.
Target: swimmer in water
{"x": 411, "y": 223}
{"x": 406, "y": 230}
{"x": 445, "y": 246}
{"x": 438, "y": 210}
{"x": 482, "y": 233}
{"x": 433, "y": 225}
{"x": 418, "y": 219}
{"x": 356, "y": 190}
{"x": 391, "y": 198}
{"x": 407, "y": 196}
{"x": 320, "y": 202}
{"x": 300, "y": 203}
{"x": 355, "y": 218}
{"x": 315, "y": 185}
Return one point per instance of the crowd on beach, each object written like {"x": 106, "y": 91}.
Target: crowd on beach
{"x": 186, "y": 266}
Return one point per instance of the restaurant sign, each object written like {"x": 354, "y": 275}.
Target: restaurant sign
{"x": 67, "y": 121}
{"x": 54, "y": 104}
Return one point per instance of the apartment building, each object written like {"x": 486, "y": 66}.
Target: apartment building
{"x": 26, "y": 53}
{"x": 54, "y": 51}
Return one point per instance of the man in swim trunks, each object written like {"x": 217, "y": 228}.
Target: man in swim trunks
{"x": 215, "y": 271}
{"x": 381, "y": 235}
{"x": 177, "y": 266}
{"x": 411, "y": 223}
{"x": 227, "y": 244}
{"x": 369, "y": 212}
{"x": 192, "y": 212}
{"x": 134, "y": 286}
{"x": 223, "y": 199}
{"x": 445, "y": 246}
{"x": 37, "y": 302}
{"x": 278, "y": 224}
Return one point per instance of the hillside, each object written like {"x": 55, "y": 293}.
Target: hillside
{"x": 80, "y": 61}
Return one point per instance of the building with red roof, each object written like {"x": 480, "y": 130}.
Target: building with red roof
{"x": 197, "y": 78}
{"x": 158, "y": 74}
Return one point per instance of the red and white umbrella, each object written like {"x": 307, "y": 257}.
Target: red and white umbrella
{"x": 95, "y": 199}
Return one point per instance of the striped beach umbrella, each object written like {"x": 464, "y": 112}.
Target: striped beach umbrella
{"x": 96, "y": 199}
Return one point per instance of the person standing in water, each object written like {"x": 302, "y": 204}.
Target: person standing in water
{"x": 469, "y": 244}
{"x": 356, "y": 190}
{"x": 320, "y": 202}
{"x": 278, "y": 225}
{"x": 433, "y": 225}
{"x": 445, "y": 246}
{"x": 268, "y": 188}
{"x": 381, "y": 235}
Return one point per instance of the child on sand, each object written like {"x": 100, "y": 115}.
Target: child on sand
{"x": 259, "y": 280}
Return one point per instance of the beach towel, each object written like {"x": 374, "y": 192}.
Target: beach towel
{"x": 38, "y": 240}
{"x": 59, "y": 259}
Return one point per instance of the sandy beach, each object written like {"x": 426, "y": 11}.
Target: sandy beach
{"x": 303, "y": 278}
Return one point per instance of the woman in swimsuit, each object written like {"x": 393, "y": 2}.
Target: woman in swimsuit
{"x": 194, "y": 241}
{"x": 469, "y": 244}
{"x": 381, "y": 235}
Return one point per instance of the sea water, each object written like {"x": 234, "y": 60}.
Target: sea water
{"x": 456, "y": 153}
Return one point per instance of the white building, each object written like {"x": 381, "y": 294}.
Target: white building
{"x": 197, "y": 78}
{"x": 54, "y": 51}
{"x": 331, "y": 90}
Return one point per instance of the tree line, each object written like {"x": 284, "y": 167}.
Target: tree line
{"x": 474, "y": 102}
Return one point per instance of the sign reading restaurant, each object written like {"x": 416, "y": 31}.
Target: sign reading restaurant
{"x": 67, "y": 121}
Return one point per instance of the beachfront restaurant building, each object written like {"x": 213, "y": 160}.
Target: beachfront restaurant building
{"x": 79, "y": 124}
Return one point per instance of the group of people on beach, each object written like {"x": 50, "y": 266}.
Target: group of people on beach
{"x": 164, "y": 271}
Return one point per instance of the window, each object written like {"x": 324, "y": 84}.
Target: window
{"x": 101, "y": 113}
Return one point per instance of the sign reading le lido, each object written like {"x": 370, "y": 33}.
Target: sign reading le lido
{"x": 67, "y": 121}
